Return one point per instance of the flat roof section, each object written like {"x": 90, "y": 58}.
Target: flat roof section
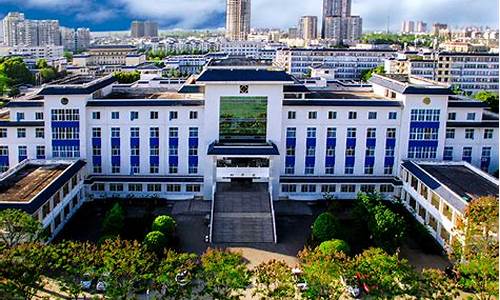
{"x": 462, "y": 180}
{"x": 27, "y": 182}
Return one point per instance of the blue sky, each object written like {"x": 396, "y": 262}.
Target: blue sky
{"x": 116, "y": 14}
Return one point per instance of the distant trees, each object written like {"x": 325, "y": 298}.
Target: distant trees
{"x": 490, "y": 98}
{"x": 17, "y": 227}
{"x": 367, "y": 74}
{"x": 399, "y": 39}
{"x": 13, "y": 72}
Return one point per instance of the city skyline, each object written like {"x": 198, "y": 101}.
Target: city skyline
{"x": 116, "y": 15}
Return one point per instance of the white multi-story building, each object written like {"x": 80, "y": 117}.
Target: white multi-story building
{"x": 19, "y": 31}
{"x": 348, "y": 63}
{"x": 49, "y": 52}
{"x": 246, "y": 123}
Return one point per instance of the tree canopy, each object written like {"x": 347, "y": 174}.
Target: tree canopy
{"x": 127, "y": 77}
{"x": 18, "y": 227}
{"x": 367, "y": 74}
{"x": 490, "y": 98}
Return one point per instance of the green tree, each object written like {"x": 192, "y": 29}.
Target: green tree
{"x": 41, "y": 63}
{"x": 155, "y": 241}
{"x": 434, "y": 284}
{"x": 325, "y": 227}
{"x": 127, "y": 77}
{"x": 274, "y": 280}
{"x": 68, "y": 55}
{"x": 48, "y": 74}
{"x": 323, "y": 273}
{"x": 224, "y": 273}
{"x": 15, "y": 69}
{"x": 489, "y": 98}
{"x": 334, "y": 246}
{"x": 367, "y": 74}
{"x": 164, "y": 224}
{"x": 113, "y": 221}
{"x": 177, "y": 275}
{"x": 18, "y": 227}
{"x": 21, "y": 271}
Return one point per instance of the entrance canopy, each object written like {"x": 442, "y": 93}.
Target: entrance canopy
{"x": 242, "y": 148}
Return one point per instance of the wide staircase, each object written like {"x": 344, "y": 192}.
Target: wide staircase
{"x": 242, "y": 214}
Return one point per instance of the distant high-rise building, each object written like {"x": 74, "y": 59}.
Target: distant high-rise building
{"x": 437, "y": 27}
{"x": 421, "y": 27}
{"x": 75, "y": 40}
{"x": 137, "y": 29}
{"x": 408, "y": 26}
{"x": 150, "y": 29}
{"x": 238, "y": 15}
{"x": 18, "y": 31}
{"x": 293, "y": 33}
{"x": 338, "y": 23}
{"x": 308, "y": 27}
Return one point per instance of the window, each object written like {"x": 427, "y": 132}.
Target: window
{"x": 96, "y": 151}
{"x": 288, "y": 188}
{"x": 134, "y": 115}
{"x": 3, "y": 132}
{"x": 193, "y": 169}
{"x": 66, "y": 151}
{"x": 471, "y": 116}
{"x": 291, "y": 132}
{"x": 22, "y": 151}
{"x": 347, "y": 188}
{"x": 40, "y": 152}
{"x": 389, "y": 151}
{"x": 193, "y": 132}
{"x": 369, "y": 169}
{"x": 243, "y": 89}
{"x": 39, "y": 133}
{"x": 450, "y": 133}
{"x": 332, "y": 115}
{"x": 331, "y": 133}
{"x": 153, "y": 151}
{"x": 423, "y": 133}
{"x": 308, "y": 188}
{"x": 311, "y": 151}
{"x": 38, "y": 115}
{"x": 467, "y": 154}
{"x": 96, "y": 115}
{"x": 174, "y": 188}
{"x": 349, "y": 170}
{"x": 65, "y": 133}
{"x": 371, "y": 133}
{"x": 290, "y": 151}
{"x": 135, "y": 169}
{"x": 422, "y": 152}
{"x": 115, "y": 169}
{"x": 488, "y": 134}
{"x": 391, "y": 133}
{"x": 172, "y": 169}
{"x": 115, "y": 150}
{"x": 393, "y": 115}
{"x": 154, "y": 187}
{"x": 154, "y": 132}
{"x": 330, "y": 151}
{"x": 289, "y": 169}
{"x": 172, "y": 115}
{"x": 292, "y": 115}
{"x": 353, "y": 115}
{"x": 134, "y": 132}
{"x": 328, "y": 188}
{"x": 116, "y": 187}
{"x": 97, "y": 187}
{"x": 312, "y": 115}
{"x": 469, "y": 134}
{"x": 386, "y": 188}
{"x": 425, "y": 115}
{"x": 193, "y": 115}
{"x": 173, "y": 132}
{"x": 97, "y": 169}
{"x": 21, "y": 132}
{"x": 350, "y": 151}
{"x": 153, "y": 115}
{"x": 372, "y": 115}
{"x": 486, "y": 153}
{"x": 370, "y": 151}
{"x": 96, "y": 132}
{"x": 135, "y": 187}
{"x": 65, "y": 115}
{"x": 448, "y": 153}
{"x": 115, "y": 115}
{"x": 452, "y": 116}
{"x": 4, "y": 151}
{"x": 193, "y": 151}
{"x": 115, "y": 132}
{"x": 351, "y": 132}
{"x": 309, "y": 169}
{"x": 388, "y": 170}
{"x": 173, "y": 151}
{"x": 311, "y": 132}
{"x": 193, "y": 188}
{"x": 367, "y": 188}
{"x": 329, "y": 169}
{"x": 19, "y": 116}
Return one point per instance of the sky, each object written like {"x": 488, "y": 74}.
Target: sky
{"x": 113, "y": 15}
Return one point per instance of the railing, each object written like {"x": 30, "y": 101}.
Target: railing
{"x": 275, "y": 236}
{"x": 211, "y": 230}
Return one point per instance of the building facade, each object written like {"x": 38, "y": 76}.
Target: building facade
{"x": 338, "y": 24}
{"x": 308, "y": 27}
{"x": 238, "y": 15}
{"x": 19, "y": 31}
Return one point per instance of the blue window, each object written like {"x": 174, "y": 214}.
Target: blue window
{"x": 173, "y": 132}
{"x": 291, "y": 132}
{"x": 448, "y": 153}
{"x": 193, "y": 132}
{"x": 19, "y": 116}
{"x": 134, "y": 115}
{"x": 351, "y": 132}
{"x": 134, "y": 132}
{"x": 331, "y": 132}
{"x": 96, "y": 115}
{"x": 115, "y": 132}
{"x": 393, "y": 115}
{"x": 311, "y": 132}
{"x": 154, "y": 132}
{"x": 115, "y": 115}
{"x": 173, "y": 115}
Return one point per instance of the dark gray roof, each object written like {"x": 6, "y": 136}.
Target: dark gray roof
{"x": 236, "y": 75}
{"x": 83, "y": 89}
{"x": 366, "y": 103}
{"x": 192, "y": 89}
{"x": 28, "y": 103}
{"x": 43, "y": 196}
{"x": 145, "y": 102}
{"x": 136, "y": 178}
{"x": 400, "y": 84}
{"x": 296, "y": 88}
{"x": 243, "y": 149}
{"x": 469, "y": 103}
{"x": 22, "y": 123}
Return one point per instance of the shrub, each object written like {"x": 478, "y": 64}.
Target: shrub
{"x": 155, "y": 241}
{"x": 164, "y": 224}
{"x": 113, "y": 221}
{"x": 127, "y": 77}
{"x": 334, "y": 246}
{"x": 325, "y": 227}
